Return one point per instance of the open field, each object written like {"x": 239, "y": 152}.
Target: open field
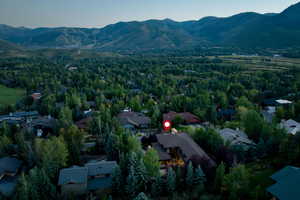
{"x": 10, "y": 95}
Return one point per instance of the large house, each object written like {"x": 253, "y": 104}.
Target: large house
{"x": 133, "y": 120}
{"x": 287, "y": 186}
{"x": 291, "y": 126}
{"x": 178, "y": 149}
{"x": 94, "y": 176}
{"x": 236, "y": 137}
{"x": 9, "y": 168}
{"x": 19, "y": 117}
{"x": 188, "y": 118}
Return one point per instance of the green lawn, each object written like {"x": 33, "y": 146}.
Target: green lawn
{"x": 10, "y": 96}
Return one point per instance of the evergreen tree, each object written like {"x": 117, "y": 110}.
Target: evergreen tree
{"x": 189, "y": 179}
{"x": 219, "y": 178}
{"x": 23, "y": 189}
{"x": 171, "y": 181}
{"x": 141, "y": 196}
{"x": 156, "y": 187}
{"x": 151, "y": 160}
{"x": 117, "y": 180}
{"x": 132, "y": 183}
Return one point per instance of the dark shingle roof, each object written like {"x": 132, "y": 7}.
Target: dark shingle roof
{"x": 102, "y": 167}
{"x": 287, "y": 186}
{"x": 185, "y": 143}
{"x": 134, "y": 118}
{"x": 8, "y": 185}
{"x": 161, "y": 152}
{"x": 9, "y": 164}
{"x": 99, "y": 183}
{"x": 73, "y": 175}
{"x": 186, "y": 116}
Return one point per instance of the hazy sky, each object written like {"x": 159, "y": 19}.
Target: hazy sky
{"x": 98, "y": 13}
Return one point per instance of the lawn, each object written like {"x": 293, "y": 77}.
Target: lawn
{"x": 10, "y": 96}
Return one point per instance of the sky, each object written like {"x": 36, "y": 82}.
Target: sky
{"x": 98, "y": 13}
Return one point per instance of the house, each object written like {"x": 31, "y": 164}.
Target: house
{"x": 287, "y": 185}
{"x": 236, "y": 137}
{"x": 43, "y": 125}
{"x": 291, "y": 126}
{"x": 19, "y": 117}
{"x": 133, "y": 120}
{"x": 36, "y": 96}
{"x": 276, "y": 102}
{"x": 94, "y": 176}
{"x": 188, "y": 118}
{"x": 178, "y": 149}
{"x": 84, "y": 124}
{"x": 9, "y": 168}
{"x": 73, "y": 180}
{"x": 99, "y": 175}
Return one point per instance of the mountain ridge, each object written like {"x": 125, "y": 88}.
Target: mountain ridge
{"x": 248, "y": 29}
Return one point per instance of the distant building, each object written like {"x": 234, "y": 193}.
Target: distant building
{"x": 36, "y": 96}
{"x": 236, "y": 137}
{"x": 134, "y": 120}
{"x": 43, "y": 125}
{"x": 291, "y": 126}
{"x": 84, "y": 124}
{"x": 19, "y": 117}
{"x": 287, "y": 185}
{"x": 9, "y": 168}
{"x": 188, "y": 118}
{"x": 93, "y": 177}
{"x": 73, "y": 180}
{"x": 178, "y": 149}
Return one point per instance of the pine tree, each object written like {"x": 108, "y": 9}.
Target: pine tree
{"x": 156, "y": 187}
{"x": 117, "y": 180}
{"x": 189, "y": 179}
{"x": 171, "y": 181}
{"x": 23, "y": 188}
{"x": 141, "y": 196}
{"x": 142, "y": 175}
{"x": 132, "y": 183}
{"x": 199, "y": 176}
{"x": 219, "y": 178}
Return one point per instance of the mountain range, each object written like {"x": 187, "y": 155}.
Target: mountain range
{"x": 244, "y": 30}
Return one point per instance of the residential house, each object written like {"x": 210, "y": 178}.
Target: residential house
{"x": 134, "y": 120}
{"x": 188, "y": 118}
{"x": 19, "y": 117}
{"x": 36, "y": 96}
{"x": 84, "y": 124}
{"x": 269, "y": 113}
{"x": 178, "y": 149}
{"x": 287, "y": 185}
{"x": 94, "y": 176}
{"x": 73, "y": 180}
{"x": 236, "y": 137}
{"x": 291, "y": 126}
{"x": 43, "y": 125}
{"x": 99, "y": 175}
{"x": 9, "y": 168}
{"x": 226, "y": 114}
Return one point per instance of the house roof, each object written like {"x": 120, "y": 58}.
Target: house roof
{"x": 163, "y": 155}
{"x": 9, "y": 164}
{"x": 287, "y": 186}
{"x": 8, "y": 185}
{"x": 283, "y": 101}
{"x": 44, "y": 122}
{"x": 235, "y": 137}
{"x": 291, "y": 126}
{"x": 84, "y": 123}
{"x": 185, "y": 143}
{"x": 102, "y": 167}
{"x": 99, "y": 183}
{"x": 133, "y": 118}
{"x": 74, "y": 174}
{"x": 186, "y": 116}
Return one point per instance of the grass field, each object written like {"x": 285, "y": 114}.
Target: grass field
{"x": 10, "y": 95}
